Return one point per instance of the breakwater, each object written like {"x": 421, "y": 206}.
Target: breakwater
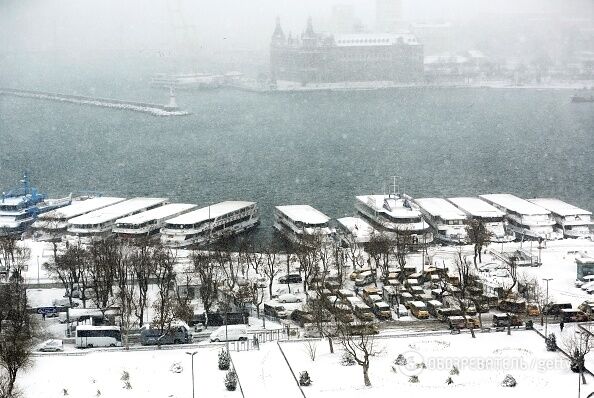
{"x": 144, "y": 107}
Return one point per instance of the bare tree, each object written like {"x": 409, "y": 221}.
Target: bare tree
{"x": 478, "y": 235}
{"x": 142, "y": 260}
{"x": 380, "y": 248}
{"x": 125, "y": 279}
{"x": 209, "y": 277}
{"x": 256, "y": 297}
{"x": 578, "y": 345}
{"x": 105, "y": 257}
{"x": 67, "y": 268}
{"x": 270, "y": 268}
{"x": 164, "y": 275}
{"x": 308, "y": 255}
{"x": 360, "y": 346}
{"x": 17, "y": 333}
{"x": 182, "y": 308}
{"x": 255, "y": 258}
{"x": 354, "y": 253}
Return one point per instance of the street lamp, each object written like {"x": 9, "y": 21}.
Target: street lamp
{"x": 192, "y": 355}
{"x": 547, "y": 304}
{"x": 263, "y": 314}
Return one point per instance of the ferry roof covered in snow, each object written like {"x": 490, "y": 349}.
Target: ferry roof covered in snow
{"x": 304, "y": 213}
{"x": 477, "y": 207}
{"x": 394, "y": 205}
{"x": 559, "y": 207}
{"x": 359, "y": 228}
{"x": 158, "y": 213}
{"x": 210, "y": 212}
{"x": 514, "y": 204}
{"x": 119, "y": 210}
{"x": 80, "y": 207}
{"x": 439, "y": 207}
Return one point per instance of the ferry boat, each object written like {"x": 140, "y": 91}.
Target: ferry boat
{"x": 149, "y": 222}
{"x": 492, "y": 218}
{"x": 571, "y": 221}
{"x": 354, "y": 230}
{"x": 20, "y": 207}
{"x": 394, "y": 213}
{"x": 297, "y": 222}
{"x": 524, "y": 218}
{"x": 210, "y": 223}
{"x": 52, "y": 225}
{"x": 99, "y": 223}
{"x": 448, "y": 222}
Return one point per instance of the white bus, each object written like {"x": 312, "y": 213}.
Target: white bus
{"x": 98, "y": 336}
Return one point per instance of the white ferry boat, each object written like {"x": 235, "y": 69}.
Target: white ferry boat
{"x": 53, "y": 224}
{"x": 100, "y": 222}
{"x": 492, "y": 218}
{"x": 296, "y": 222}
{"x": 394, "y": 213}
{"x": 149, "y": 222}
{"x": 20, "y": 207}
{"x": 448, "y": 222}
{"x": 572, "y": 221}
{"x": 354, "y": 230}
{"x": 210, "y": 223}
{"x": 524, "y": 218}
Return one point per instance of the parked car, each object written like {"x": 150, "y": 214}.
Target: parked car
{"x": 365, "y": 278}
{"x": 290, "y": 278}
{"x": 302, "y": 317}
{"x": 401, "y": 310}
{"x": 555, "y": 308}
{"x": 571, "y": 315}
{"x": 288, "y": 298}
{"x": 275, "y": 310}
{"x": 353, "y": 276}
{"x": 382, "y": 310}
{"x": 52, "y": 345}
{"x": 458, "y": 322}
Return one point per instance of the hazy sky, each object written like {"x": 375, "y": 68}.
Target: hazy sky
{"x": 47, "y": 25}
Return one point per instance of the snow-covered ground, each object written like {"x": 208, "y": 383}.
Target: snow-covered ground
{"x": 482, "y": 362}
{"x": 150, "y": 373}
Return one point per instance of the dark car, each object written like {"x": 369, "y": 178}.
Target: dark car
{"x": 218, "y": 318}
{"x": 290, "y": 278}
{"x": 555, "y": 308}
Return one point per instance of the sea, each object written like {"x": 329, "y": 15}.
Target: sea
{"x": 316, "y": 148}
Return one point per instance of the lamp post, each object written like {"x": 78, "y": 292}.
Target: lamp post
{"x": 192, "y": 355}
{"x": 546, "y": 304}
{"x": 263, "y": 314}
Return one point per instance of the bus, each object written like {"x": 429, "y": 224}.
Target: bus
{"x": 87, "y": 336}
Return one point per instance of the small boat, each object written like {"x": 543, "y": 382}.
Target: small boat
{"x": 579, "y": 98}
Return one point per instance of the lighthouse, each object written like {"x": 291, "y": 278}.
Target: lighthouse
{"x": 172, "y": 105}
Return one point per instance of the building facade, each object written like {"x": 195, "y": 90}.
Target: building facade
{"x": 323, "y": 58}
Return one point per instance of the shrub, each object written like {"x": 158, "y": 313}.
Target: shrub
{"x": 400, "y": 360}
{"x": 413, "y": 379}
{"x": 421, "y": 365}
{"x": 509, "y": 381}
{"x": 347, "y": 359}
{"x": 551, "y": 342}
{"x": 224, "y": 360}
{"x": 304, "y": 379}
{"x": 454, "y": 371}
{"x": 449, "y": 380}
{"x": 231, "y": 380}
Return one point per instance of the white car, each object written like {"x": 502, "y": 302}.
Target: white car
{"x": 288, "y": 298}
{"x": 51, "y": 346}
{"x": 587, "y": 285}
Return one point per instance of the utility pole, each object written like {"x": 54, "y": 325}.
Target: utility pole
{"x": 546, "y": 305}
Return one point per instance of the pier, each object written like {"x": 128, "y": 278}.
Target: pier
{"x": 170, "y": 109}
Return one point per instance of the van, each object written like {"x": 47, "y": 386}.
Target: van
{"x": 458, "y": 322}
{"x": 401, "y": 310}
{"x": 502, "y": 320}
{"x": 433, "y": 306}
{"x": 571, "y": 315}
{"x": 382, "y": 310}
{"x": 368, "y": 291}
{"x": 344, "y": 293}
{"x": 275, "y": 309}
{"x": 555, "y": 308}
{"x": 532, "y": 309}
{"x": 229, "y": 333}
{"x": 178, "y": 333}
{"x": 364, "y": 278}
{"x": 405, "y": 298}
{"x": 419, "y": 309}
{"x": 353, "y": 276}
{"x": 369, "y": 300}
{"x": 363, "y": 312}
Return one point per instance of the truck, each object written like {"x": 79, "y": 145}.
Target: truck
{"x": 419, "y": 309}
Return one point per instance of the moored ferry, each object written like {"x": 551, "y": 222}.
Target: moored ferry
{"x": 393, "y": 214}
{"x": 448, "y": 222}
{"x": 298, "y": 223}
{"x": 99, "y": 223}
{"x": 354, "y": 230}
{"x": 492, "y": 218}
{"x": 570, "y": 220}
{"x": 52, "y": 224}
{"x": 524, "y": 218}
{"x": 149, "y": 222}
{"x": 210, "y": 223}
{"x": 20, "y": 207}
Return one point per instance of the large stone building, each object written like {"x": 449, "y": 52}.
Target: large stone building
{"x": 315, "y": 57}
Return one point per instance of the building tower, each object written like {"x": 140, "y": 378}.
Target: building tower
{"x": 278, "y": 36}
{"x": 308, "y": 37}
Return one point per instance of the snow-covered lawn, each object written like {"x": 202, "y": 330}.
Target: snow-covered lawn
{"x": 482, "y": 362}
{"x": 150, "y": 374}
